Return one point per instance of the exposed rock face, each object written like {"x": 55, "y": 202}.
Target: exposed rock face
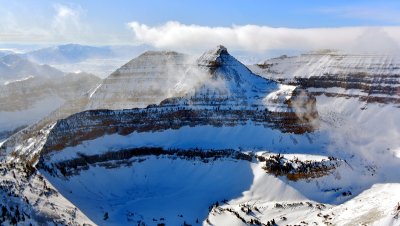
{"x": 145, "y": 80}
{"x": 228, "y": 94}
{"x": 371, "y": 78}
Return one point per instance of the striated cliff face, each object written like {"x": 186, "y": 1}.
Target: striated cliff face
{"x": 370, "y": 78}
{"x": 145, "y": 80}
{"x": 217, "y": 91}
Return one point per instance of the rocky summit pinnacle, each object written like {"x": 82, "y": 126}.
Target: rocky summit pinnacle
{"x": 213, "y": 58}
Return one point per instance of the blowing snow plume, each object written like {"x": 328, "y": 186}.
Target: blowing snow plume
{"x": 305, "y": 108}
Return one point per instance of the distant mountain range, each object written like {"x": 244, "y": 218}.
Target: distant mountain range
{"x": 99, "y": 60}
{"x": 70, "y": 53}
{"x": 75, "y": 53}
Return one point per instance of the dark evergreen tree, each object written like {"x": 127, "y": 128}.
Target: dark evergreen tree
{"x": 13, "y": 221}
{"x": 3, "y": 212}
{"x": 17, "y": 214}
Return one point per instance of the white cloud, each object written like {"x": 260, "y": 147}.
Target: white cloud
{"x": 65, "y": 25}
{"x": 175, "y": 35}
{"x": 66, "y": 18}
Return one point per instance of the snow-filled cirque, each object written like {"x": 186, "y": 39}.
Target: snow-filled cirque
{"x": 173, "y": 139}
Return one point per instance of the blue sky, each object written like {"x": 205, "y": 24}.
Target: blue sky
{"x": 107, "y": 22}
{"x": 276, "y": 13}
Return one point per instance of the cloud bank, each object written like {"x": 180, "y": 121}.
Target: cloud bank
{"x": 254, "y": 38}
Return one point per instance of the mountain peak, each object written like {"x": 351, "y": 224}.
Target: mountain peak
{"x": 220, "y": 49}
{"x": 213, "y": 58}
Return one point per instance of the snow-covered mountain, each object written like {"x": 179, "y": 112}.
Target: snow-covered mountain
{"x": 223, "y": 146}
